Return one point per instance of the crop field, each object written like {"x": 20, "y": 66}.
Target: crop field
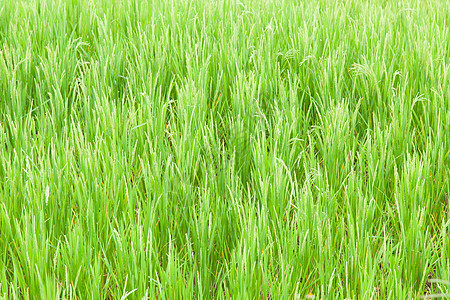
{"x": 175, "y": 149}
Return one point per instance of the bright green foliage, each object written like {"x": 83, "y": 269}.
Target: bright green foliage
{"x": 224, "y": 149}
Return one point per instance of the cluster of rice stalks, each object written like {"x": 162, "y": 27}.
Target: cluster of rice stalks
{"x": 224, "y": 149}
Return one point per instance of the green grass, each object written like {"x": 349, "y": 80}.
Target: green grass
{"x": 224, "y": 149}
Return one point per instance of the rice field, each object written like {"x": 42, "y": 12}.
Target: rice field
{"x": 272, "y": 149}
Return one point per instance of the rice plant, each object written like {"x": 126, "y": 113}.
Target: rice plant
{"x": 272, "y": 149}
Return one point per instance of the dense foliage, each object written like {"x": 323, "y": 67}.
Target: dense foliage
{"x": 224, "y": 149}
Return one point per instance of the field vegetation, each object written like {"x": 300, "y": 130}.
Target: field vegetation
{"x": 224, "y": 149}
